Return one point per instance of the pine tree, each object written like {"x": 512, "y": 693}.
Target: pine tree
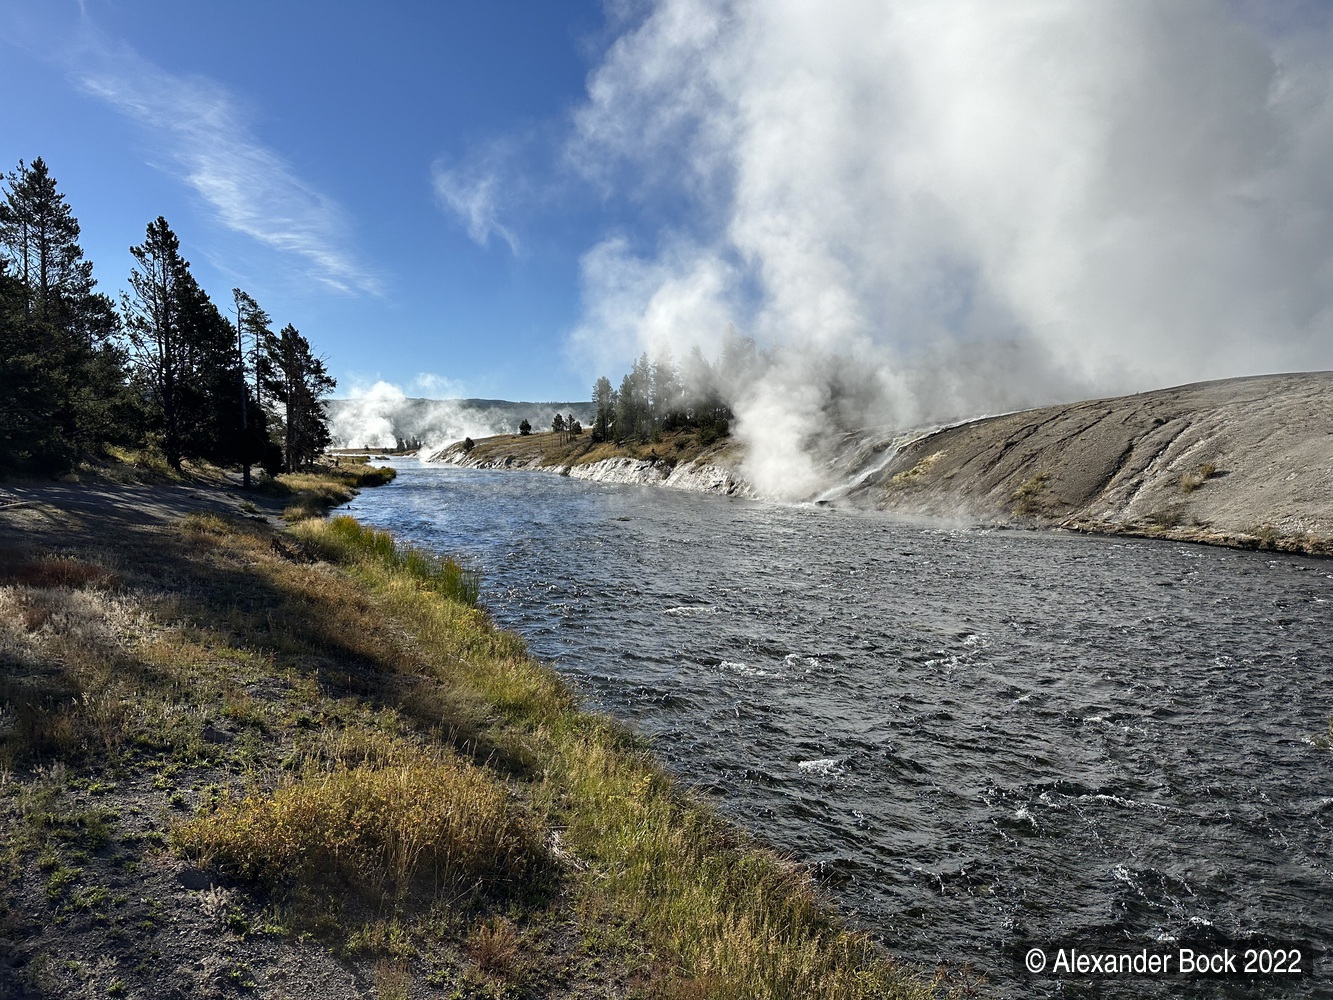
{"x": 298, "y": 380}
{"x": 603, "y": 397}
{"x": 40, "y": 237}
{"x": 253, "y": 327}
{"x": 29, "y": 439}
{"x": 77, "y": 395}
{"x": 211, "y": 389}
{"x": 153, "y": 324}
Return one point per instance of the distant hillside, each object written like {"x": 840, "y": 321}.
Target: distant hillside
{"x": 384, "y": 421}
{"x": 1244, "y": 461}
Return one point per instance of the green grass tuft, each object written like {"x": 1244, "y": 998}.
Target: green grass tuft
{"x": 343, "y": 539}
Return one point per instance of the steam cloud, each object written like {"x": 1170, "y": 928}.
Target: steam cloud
{"x": 381, "y": 416}
{"x": 936, "y": 208}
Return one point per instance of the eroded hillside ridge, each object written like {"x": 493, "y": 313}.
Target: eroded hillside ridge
{"x": 1246, "y": 461}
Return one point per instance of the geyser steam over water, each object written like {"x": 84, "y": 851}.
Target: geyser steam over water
{"x": 382, "y": 415}
{"x": 930, "y": 209}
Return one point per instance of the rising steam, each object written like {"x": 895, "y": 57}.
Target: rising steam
{"x": 383, "y": 416}
{"x": 935, "y": 208}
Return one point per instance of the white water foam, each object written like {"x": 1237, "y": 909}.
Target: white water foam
{"x": 744, "y": 669}
{"x": 825, "y": 767}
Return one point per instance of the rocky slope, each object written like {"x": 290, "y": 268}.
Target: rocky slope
{"x": 1246, "y": 462}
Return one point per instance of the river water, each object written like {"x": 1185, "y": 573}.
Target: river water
{"x": 975, "y": 737}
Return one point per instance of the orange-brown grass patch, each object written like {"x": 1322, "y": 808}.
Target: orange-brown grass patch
{"x": 494, "y": 946}
{"x": 417, "y": 815}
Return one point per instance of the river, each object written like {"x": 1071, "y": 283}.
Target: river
{"x": 976, "y": 737}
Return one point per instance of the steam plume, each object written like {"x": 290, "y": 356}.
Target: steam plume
{"x": 383, "y": 415}
{"x": 958, "y": 206}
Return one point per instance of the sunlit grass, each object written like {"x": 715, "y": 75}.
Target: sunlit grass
{"x": 375, "y": 761}
{"x": 720, "y": 916}
{"x": 671, "y": 447}
{"x": 344, "y": 539}
{"x": 380, "y": 825}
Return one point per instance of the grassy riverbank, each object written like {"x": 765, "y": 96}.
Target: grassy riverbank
{"x": 301, "y": 762}
{"x": 550, "y": 449}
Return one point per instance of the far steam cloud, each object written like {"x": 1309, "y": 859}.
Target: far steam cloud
{"x": 383, "y": 416}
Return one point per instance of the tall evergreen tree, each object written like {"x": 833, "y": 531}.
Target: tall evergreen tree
{"x": 40, "y": 239}
{"x": 211, "y": 392}
{"x": 29, "y": 396}
{"x": 628, "y": 406}
{"x": 604, "y": 398}
{"x": 77, "y": 394}
{"x": 153, "y": 323}
{"x": 293, "y": 376}
{"x": 253, "y": 326}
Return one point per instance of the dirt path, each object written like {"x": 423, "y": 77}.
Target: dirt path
{"x": 51, "y": 512}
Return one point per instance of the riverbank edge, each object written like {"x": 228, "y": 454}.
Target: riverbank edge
{"x": 693, "y": 476}
{"x": 722, "y": 480}
{"x": 748, "y": 905}
{"x": 1243, "y": 463}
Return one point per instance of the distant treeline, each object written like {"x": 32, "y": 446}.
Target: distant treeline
{"x": 656, "y": 395}
{"x": 163, "y": 370}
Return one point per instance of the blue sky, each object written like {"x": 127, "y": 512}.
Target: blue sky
{"x": 296, "y": 155}
{"x": 920, "y": 209}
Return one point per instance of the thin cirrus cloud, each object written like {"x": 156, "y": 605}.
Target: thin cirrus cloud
{"x": 249, "y": 187}
{"x": 473, "y": 192}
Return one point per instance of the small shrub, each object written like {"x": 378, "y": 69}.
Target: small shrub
{"x": 1025, "y": 497}
{"x": 494, "y": 946}
{"x": 919, "y": 471}
{"x": 1166, "y": 517}
{"x": 393, "y": 979}
{"x": 1191, "y": 481}
{"x": 1265, "y": 536}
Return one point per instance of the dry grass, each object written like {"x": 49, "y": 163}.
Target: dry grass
{"x": 1191, "y": 481}
{"x": 663, "y": 872}
{"x": 316, "y": 491}
{"x": 494, "y": 946}
{"x": 393, "y": 979}
{"x": 366, "y": 727}
{"x": 547, "y": 448}
{"x": 917, "y": 472}
{"x": 1026, "y": 496}
{"x": 382, "y": 826}
{"x": 1165, "y": 518}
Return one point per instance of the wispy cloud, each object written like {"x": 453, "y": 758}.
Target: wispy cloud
{"x": 473, "y": 191}
{"x": 208, "y": 137}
